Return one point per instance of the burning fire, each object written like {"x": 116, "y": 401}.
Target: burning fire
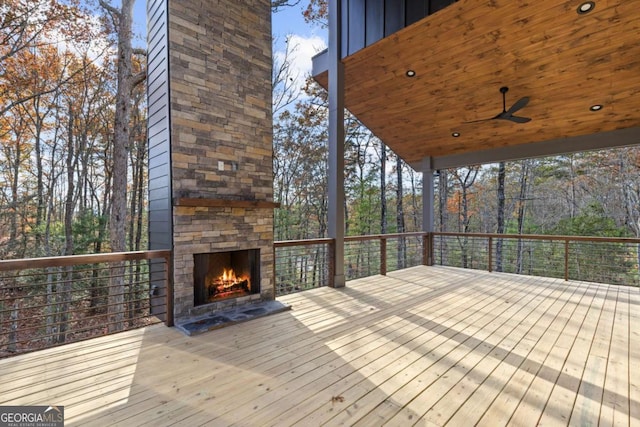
{"x": 228, "y": 275}
{"x": 229, "y": 279}
{"x": 227, "y": 283}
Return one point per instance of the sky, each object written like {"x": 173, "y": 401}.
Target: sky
{"x": 305, "y": 39}
{"x": 140, "y": 22}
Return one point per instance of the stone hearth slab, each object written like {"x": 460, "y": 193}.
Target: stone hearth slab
{"x": 230, "y": 316}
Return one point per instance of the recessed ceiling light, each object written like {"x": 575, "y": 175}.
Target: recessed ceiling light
{"x": 586, "y": 7}
{"x": 596, "y": 107}
{"x": 455, "y": 134}
{"x": 410, "y": 73}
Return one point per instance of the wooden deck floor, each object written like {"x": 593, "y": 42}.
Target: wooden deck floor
{"x": 423, "y": 346}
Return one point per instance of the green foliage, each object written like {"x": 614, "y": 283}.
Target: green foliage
{"x": 87, "y": 231}
{"x": 365, "y": 209}
{"x": 591, "y": 222}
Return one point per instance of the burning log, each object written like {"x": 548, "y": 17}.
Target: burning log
{"x": 228, "y": 283}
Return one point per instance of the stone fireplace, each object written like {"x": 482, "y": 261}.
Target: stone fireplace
{"x": 208, "y": 240}
{"x": 210, "y": 150}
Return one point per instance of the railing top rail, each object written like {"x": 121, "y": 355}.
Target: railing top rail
{"x": 319, "y": 241}
{"x": 384, "y": 236}
{"x": 593, "y": 239}
{"x": 304, "y": 242}
{"x": 70, "y": 260}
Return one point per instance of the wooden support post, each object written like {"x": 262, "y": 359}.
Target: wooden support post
{"x": 426, "y": 249}
{"x": 335, "y": 178}
{"x": 169, "y": 289}
{"x": 332, "y": 264}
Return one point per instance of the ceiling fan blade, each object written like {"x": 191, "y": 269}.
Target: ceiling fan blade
{"x": 508, "y": 114}
{"x": 521, "y": 103}
{"x": 517, "y": 119}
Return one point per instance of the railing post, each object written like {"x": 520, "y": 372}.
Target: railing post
{"x": 168, "y": 277}
{"x": 427, "y": 249}
{"x": 332, "y": 263}
{"x": 432, "y": 258}
{"x": 490, "y": 253}
{"x": 566, "y": 260}
{"x": 383, "y": 256}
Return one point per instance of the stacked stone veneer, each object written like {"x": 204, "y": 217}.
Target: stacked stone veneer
{"x": 221, "y": 136}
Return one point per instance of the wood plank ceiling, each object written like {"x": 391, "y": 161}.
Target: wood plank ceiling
{"x": 564, "y": 61}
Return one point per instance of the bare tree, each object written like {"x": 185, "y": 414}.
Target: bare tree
{"x": 500, "y": 226}
{"x": 443, "y": 213}
{"x": 122, "y": 19}
{"x": 466, "y": 178}
{"x": 285, "y": 92}
{"x": 277, "y": 4}
{"x": 383, "y": 187}
{"x": 402, "y": 245}
{"x": 524, "y": 188}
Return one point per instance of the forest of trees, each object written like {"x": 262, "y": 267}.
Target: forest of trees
{"x": 62, "y": 74}
{"x": 59, "y": 84}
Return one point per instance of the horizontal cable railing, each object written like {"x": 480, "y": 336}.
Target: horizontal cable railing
{"x": 592, "y": 259}
{"x": 307, "y": 264}
{"x": 50, "y": 301}
{"x": 380, "y": 253}
{"x": 302, "y": 264}
{"x": 46, "y": 302}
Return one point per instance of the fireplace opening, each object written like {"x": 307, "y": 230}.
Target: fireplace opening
{"x": 223, "y": 275}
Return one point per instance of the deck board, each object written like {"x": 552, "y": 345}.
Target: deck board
{"x": 422, "y": 346}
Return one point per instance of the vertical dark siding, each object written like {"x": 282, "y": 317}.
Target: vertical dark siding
{"x": 415, "y": 11}
{"x": 160, "y": 214}
{"x": 374, "y": 27}
{"x": 344, "y": 43}
{"x": 436, "y": 5}
{"x": 364, "y": 22}
{"x": 393, "y": 16}
{"x": 356, "y": 26}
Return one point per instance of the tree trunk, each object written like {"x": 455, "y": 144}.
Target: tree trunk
{"x": 13, "y": 329}
{"x": 346, "y": 218}
{"x": 465, "y": 226}
{"x": 572, "y": 182}
{"x": 524, "y": 177}
{"x": 416, "y": 214}
{"x": 464, "y": 219}
{"x": 117, "y": 220}
{"x": 443, "y": 200}
{"x": 40, "y": 209}
{"x": 65, "y": 288}
{"x": 138, "y": 237}
{"x": 402, "y": 247}
{"x": 500, "y": 227}
{"x": 383, "y": 188}
{"x": 13, "y": 221}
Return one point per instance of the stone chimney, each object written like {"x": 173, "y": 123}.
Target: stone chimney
{"x": 210, "y": 138}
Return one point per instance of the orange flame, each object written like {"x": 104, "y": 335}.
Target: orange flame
{"x": 229, "y": 275}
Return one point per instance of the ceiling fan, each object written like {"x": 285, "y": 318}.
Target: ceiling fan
{"x": 508, "y": 114}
